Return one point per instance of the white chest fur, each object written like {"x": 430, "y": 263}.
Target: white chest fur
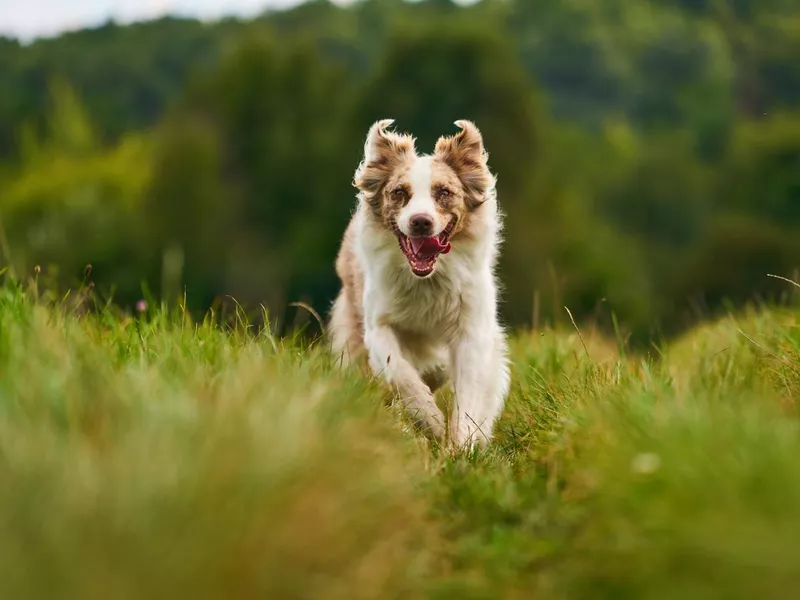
{"x": 430, "y": 307}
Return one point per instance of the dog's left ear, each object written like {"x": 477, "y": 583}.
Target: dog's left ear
{"x": 465, "y": 154}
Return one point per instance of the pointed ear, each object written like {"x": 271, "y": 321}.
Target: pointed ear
{"x": 465, "y": 154}
{"x": 383, "y": 152}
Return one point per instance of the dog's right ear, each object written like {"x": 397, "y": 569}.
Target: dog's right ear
{"x": 383, "y": 152}
{"x": 466, "y": 155}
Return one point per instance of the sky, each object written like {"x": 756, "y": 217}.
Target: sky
{"x": 29, "y": 19}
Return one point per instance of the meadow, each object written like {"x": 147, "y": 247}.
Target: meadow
{"x": 647, "y": 162}
{"x": 147, "y": 455}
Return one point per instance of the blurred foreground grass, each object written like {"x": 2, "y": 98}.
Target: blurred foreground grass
{"x": 152, "y": 457}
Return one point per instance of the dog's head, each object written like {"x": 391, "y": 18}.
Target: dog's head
{"x": 425, "y": 200}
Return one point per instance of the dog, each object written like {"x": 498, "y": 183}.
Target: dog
{"x": 418, "y": 287}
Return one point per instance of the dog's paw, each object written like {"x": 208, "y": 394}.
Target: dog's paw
{"x": 430, "y": 428}
{"x": 420, "y": 407}
{"x": 466, "y": 435}
{"x": 428, "y": 420}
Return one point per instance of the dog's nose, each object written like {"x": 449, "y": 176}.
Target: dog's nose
{"x": 421, "y": 225}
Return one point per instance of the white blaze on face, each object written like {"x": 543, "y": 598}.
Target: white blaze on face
{"x": 420, "y": 182}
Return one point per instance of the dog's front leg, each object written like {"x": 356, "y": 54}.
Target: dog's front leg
{"x": 386, "y": 359}
{"x": 481, "y": 377}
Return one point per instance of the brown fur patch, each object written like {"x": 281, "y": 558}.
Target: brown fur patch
{"x": 454, "y": 203}
{"x": 348, "y": 311}
{"x": 464, "y": 153}
{"x": 384, "y": 154}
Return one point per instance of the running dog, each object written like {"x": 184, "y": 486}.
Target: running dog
{"x": 419, "y": 292}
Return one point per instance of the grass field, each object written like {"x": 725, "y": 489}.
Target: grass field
{"x": 149, "y": 457}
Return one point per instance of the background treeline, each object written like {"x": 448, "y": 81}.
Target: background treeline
{"x": 648, "y": 151}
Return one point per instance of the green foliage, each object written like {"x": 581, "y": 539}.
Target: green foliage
{"x": 126, "y": 74}
{"x": 73, "y": 202}
{"x": 646, "y": 150}
{"x": 184, "y": 210}
{"x": 732, "y": 265}
{"x": 258, "y": 154}
{"x": 764, "y": 170}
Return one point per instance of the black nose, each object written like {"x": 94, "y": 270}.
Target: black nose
{"x": 421, "y": 225}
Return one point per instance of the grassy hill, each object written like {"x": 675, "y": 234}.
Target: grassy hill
{"x": 148, "y": 456}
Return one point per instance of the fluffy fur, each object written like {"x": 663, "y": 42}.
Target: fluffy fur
{"x": 419, "y": 323}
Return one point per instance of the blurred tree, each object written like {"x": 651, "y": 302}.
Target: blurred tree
{"x": 732, "y": 267}
{"x": 126, "y": 75}
{"x": 664, "y": 198}
{"x": 763, "y": 37}
{"x": 186, "y": 212}
{"x": 435, "y": 73}
{"x": 71, "y": 202}
{"x": 761, "y": 176}
{"x": 571, "y": 51}
{"x": 690, "y": 59}
{"x": 635, "y": 140}
{"x": 275, "y": 161}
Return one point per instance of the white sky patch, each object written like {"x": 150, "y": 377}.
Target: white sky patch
{"x": 29, "y": 19}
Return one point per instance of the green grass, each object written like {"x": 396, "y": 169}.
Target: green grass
{"x": 153, "y": 457}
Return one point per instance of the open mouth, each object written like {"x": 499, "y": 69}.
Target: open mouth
{"x": 422, "y": 252}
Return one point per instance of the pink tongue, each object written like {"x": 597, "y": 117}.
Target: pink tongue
{"x": 427, "y": 247}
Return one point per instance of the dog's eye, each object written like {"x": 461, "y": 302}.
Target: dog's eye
{"x": 442, "y": 193}
{"x": 399, "y": 193}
